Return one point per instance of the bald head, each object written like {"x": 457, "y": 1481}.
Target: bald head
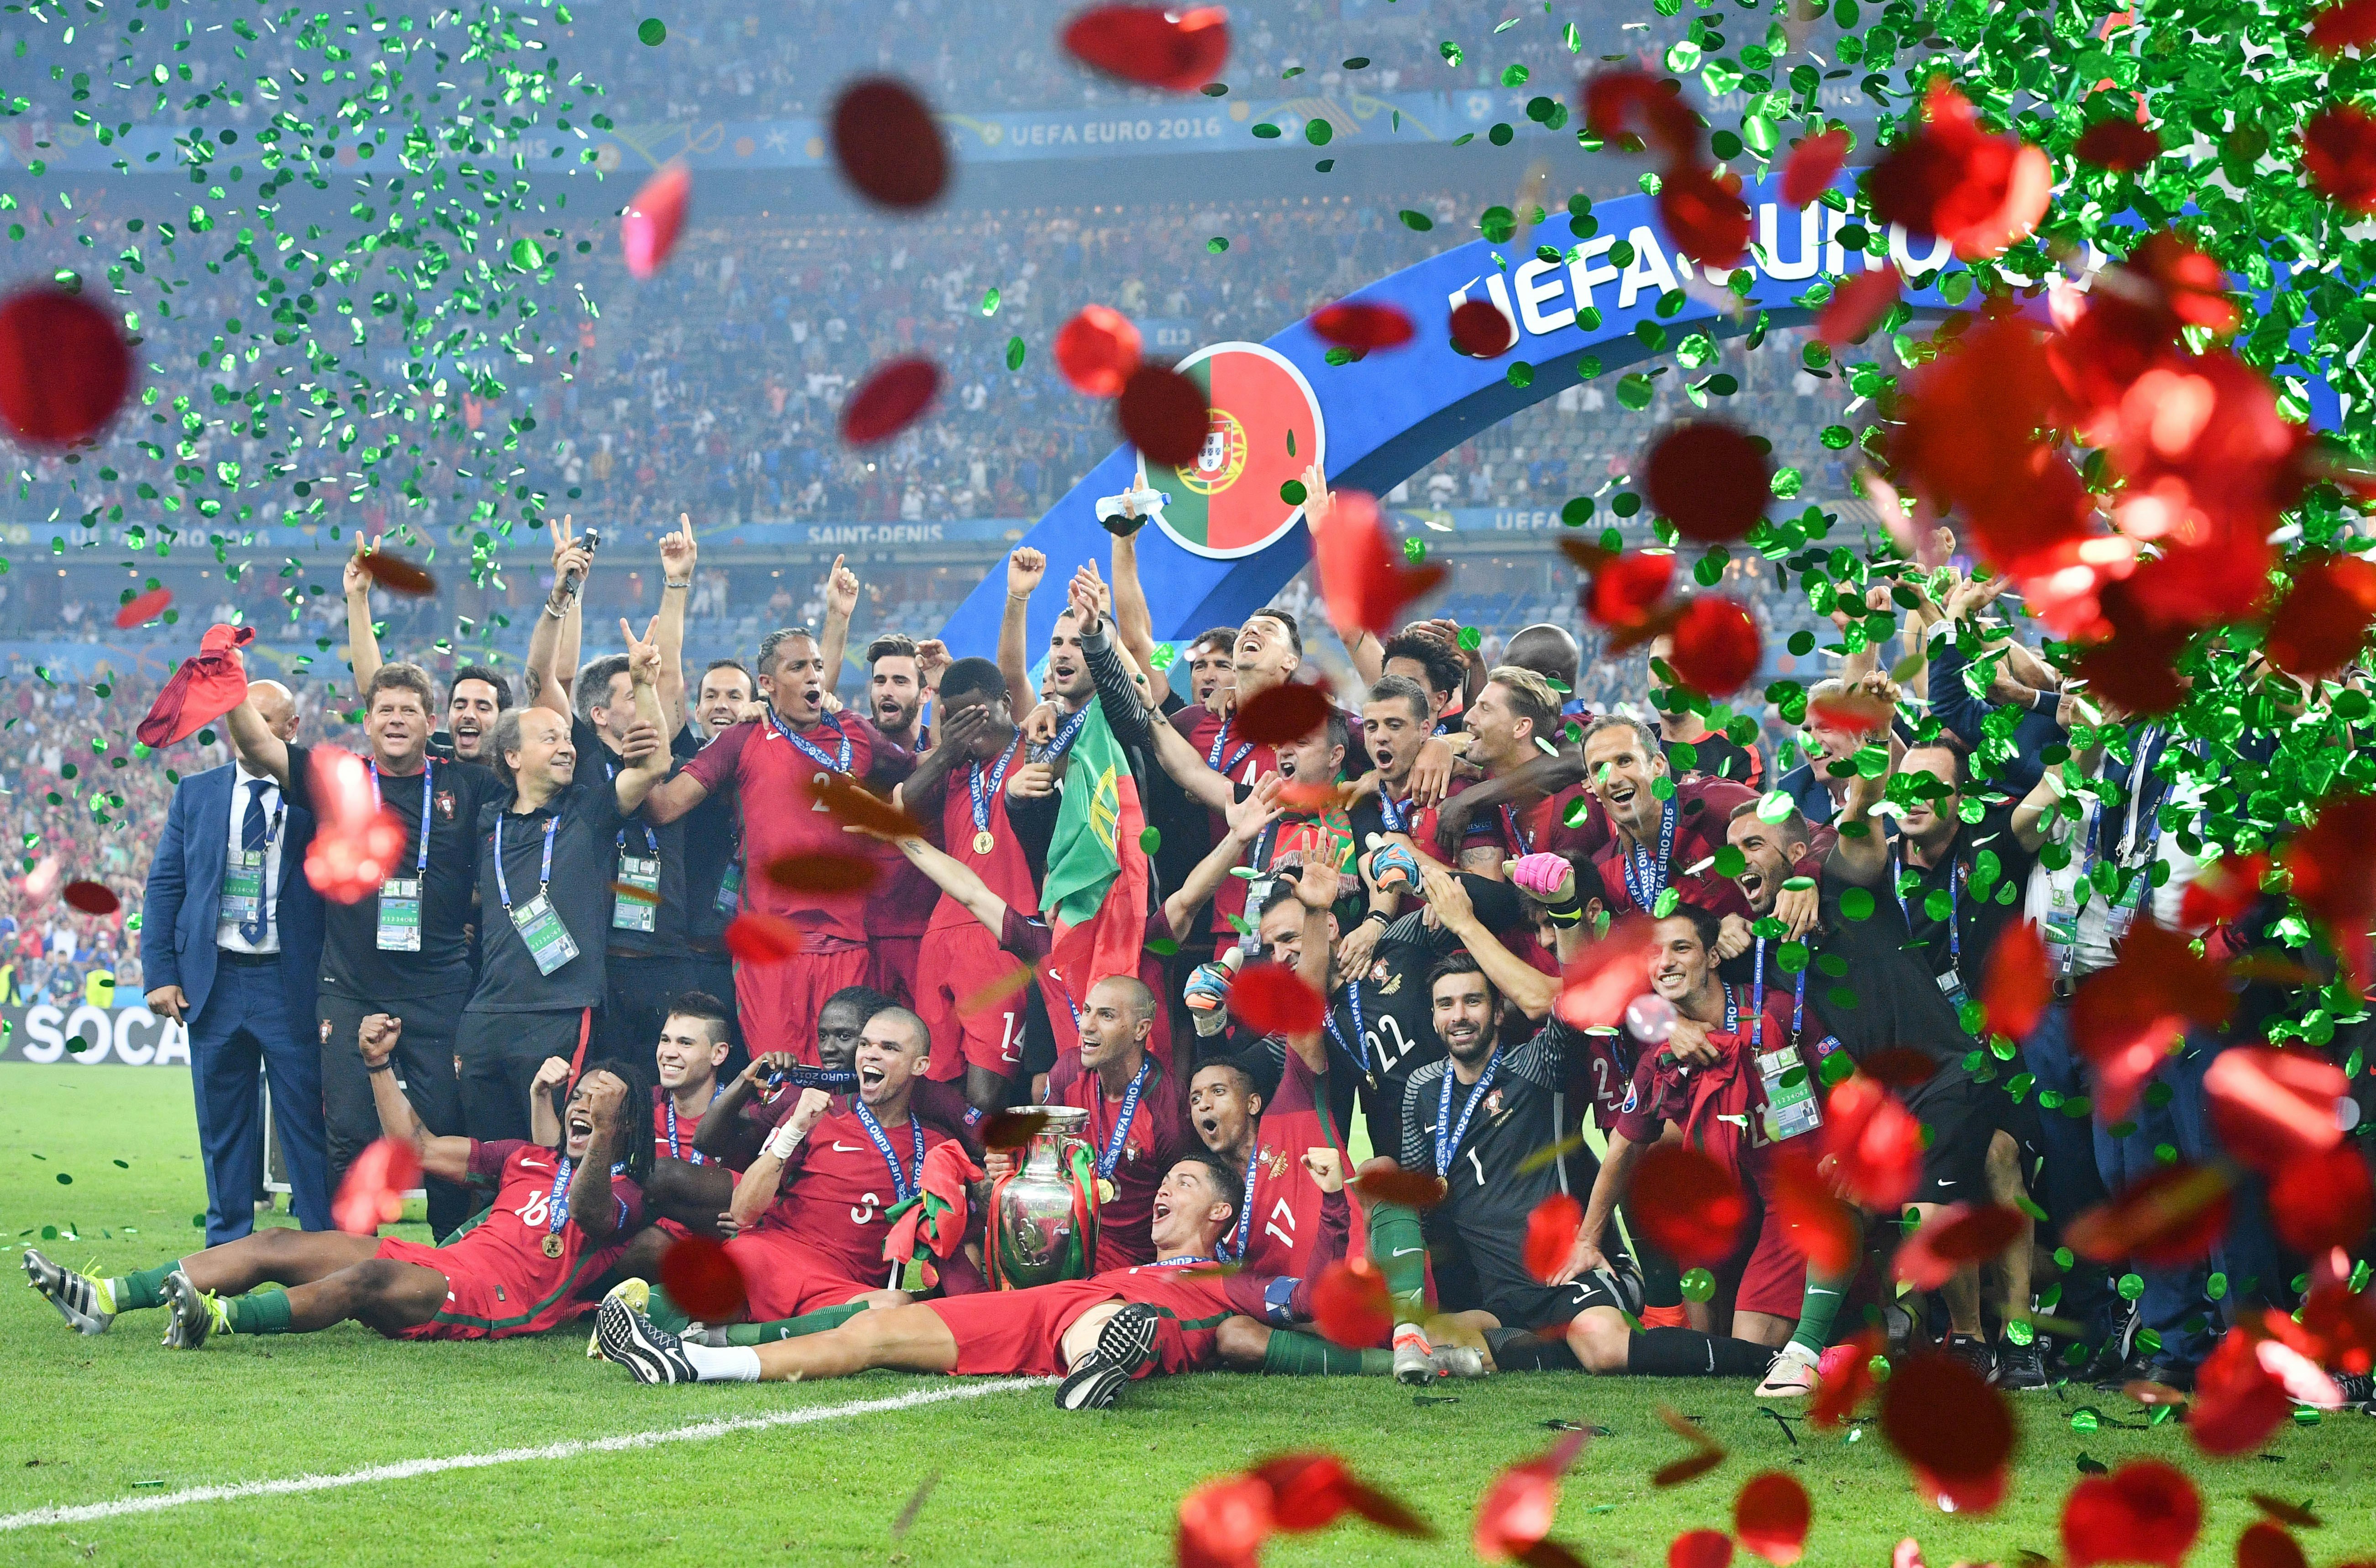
{"x": 1549, "y": 651}
{"x": 277, "y": 705}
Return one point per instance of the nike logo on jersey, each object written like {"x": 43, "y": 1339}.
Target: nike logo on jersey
{"x": 841, "y": 1147}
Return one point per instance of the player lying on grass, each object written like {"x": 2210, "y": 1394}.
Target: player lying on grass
{"x": 559, "y": 1219}
{"x": 1097, "y": 1333}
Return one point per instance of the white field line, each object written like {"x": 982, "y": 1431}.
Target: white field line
{"x": 700, "y": 1431}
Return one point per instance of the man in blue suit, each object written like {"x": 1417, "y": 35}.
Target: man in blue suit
{"x": 230, "y": 939}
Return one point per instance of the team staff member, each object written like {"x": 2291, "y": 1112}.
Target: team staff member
{"x": 476, "y": 694}
{"x": 546, "y": 861}
{"x": 404, "y": 950}
{"x": 775, "y": 764}
{"x": 230, "y": 946}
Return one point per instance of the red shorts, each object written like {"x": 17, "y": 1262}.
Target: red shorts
{"x": 962, "y": 965}
{"x": 780, "y": 1002}
{"x": 1774, "y": 1279}
{"x": 476, "y": 1307}
{"x": 895, "y": 965}
{"x": 1022, "y": 1332}
{"x": 783, "y": 1277}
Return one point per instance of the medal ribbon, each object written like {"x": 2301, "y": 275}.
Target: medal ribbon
{"x": 981, "y": 796}
{"x": 902, "y": 1189}
{"x": 1111, "y": 1156}
{"x": 815, "y": 753}
{"x": 1644, "y": 878}
{"x": 1220, "y": 741}
{"x": 1448, "y": 1132}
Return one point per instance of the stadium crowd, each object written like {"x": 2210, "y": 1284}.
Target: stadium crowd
{"x": 738, "y": 957}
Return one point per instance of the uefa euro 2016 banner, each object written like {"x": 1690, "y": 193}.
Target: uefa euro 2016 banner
{"x": 48, "y": 1035}
{"x": 1353, "y": 120}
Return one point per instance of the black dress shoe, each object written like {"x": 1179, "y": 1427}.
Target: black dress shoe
{"x": 2171, "y": 1374}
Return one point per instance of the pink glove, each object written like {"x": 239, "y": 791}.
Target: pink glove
{"x": 1540, "y": 874}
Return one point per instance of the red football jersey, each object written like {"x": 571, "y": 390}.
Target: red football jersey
{"x": 837, "y": 1187}
{"x": 1241, "y": 762}
{"x": 672, "y": 1133}
{"x": 1157, "y": 1137}
{"x": 775, "y": 782}
{"x": 1001, "y": 867}
{"x": 1281, "y": 1221}
{"x": 506, "y": 1244}
{"x": 1703, "y": 809}
{"x": 1659, "y": 1095}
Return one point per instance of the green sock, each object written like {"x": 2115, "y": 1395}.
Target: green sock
{"x": 666, "y": 1313}
{"x": 1662, "y": 1282}
{"x": 1818, "y": 1308}
{"x": 145, "y": 1289}
{"x": 790, "y": 1327}
{"x": 1399, "y": 1246}
{"x": 1290, "y": 1354}
{"x": 266, "y": 1312}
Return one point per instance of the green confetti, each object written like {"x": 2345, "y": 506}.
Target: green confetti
{"x": 1415, "y": 550}
{"x": 1318, "y": 131}
{"x": 1217, "y": 245}
{"x": 1419, "y": 222}
{"x": 1015, "y": 353}
{"x": 1293, "y": 493}
{"x": 652, "y": 32}
{"x": 1699, "y": 1285}
{"x": 990, "y": 302}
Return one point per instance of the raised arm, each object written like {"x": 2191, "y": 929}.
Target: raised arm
{"x": 1315, "y": 889}
{"x": 957, "y": 879}
{"x": 543, "y": 1116}
{"x": 2031, "y": 822}
{"x": 679, "y": 556}
{"x": 550, "y": 673}
{"x": 635, "y": 780}
{"x": 1532, "y": 989}
{"x": 1024, "y": 567}
{"x": 363, "y": 638}
{"x": 1368, "y": 655}
{"x": 1246, "y": 820}
{"x": 591, "y": 1205}
{"x": 448, "y": 1159}
{"x": 1133, "y": 621}
{"x": 263, "y": 751}
{"x": 758, "y": 1187}
{"x": 840, "y": 604}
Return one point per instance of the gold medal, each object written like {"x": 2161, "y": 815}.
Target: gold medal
{"x": 553, "y": 1243}
{"x": 984, "y": 841}
{"x": 1105, "y": 1191}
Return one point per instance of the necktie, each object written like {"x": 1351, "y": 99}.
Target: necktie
{"x": 254, "y": 832}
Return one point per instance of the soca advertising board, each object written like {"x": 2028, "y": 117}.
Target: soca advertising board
{"x": 85, "y": 1033}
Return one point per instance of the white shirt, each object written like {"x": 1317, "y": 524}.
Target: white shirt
{"x": 227, "y": 935}
{"x": 2125, "y": 839}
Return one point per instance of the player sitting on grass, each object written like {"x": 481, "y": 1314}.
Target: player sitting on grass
{"x": 559, "y": 1219}
{"x": 1097, "y": 1333}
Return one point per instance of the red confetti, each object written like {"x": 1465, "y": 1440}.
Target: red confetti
{"x": 1688, "y": 1203}
{"x": 1845, "y": 1377}
{"x": 2169, "y": 1218}
{"x": 2266, "y": 1544}
{"x": 1625, "y": 590}
{"x": 1223, "y": 1524}
{"x": 886, "y": 145}
{"x": 1957, "y": 1234}
{"x": 1164, "y": 415}
{"x": 1517, "y": 1511}
{"x": 2237, "y": 1403}
{"x": 1978, "y": 193}
{"x": 2321, "y": 1200}
{"x": 1349, "y": 1303}
{"x": 1311, "y": 1492}
{"x": 2144, "y": 1512}
{"x": 2222, "y": 890}
{"x": 396, "y": 574}
{"x": 373, "y": 1193}
{"x": 1858, "y": 304}
{"x": 1855, "y": 714}
{"x": 2333, "y": 862}
{"x": 648, "y": 230}
{"x": 1813, "y": 165}
{"x": 890, "y": 399}
{"x": 65, "y": 369}
{"x": 1710, "y": 479}
{"x": 1363, "y": 580}
{"x": 1481, "y": 331}
{"x": 2339, "y": 154}
{"x": 355, "y": 842}
{"x": 2349, "y": 25}
{"x": 1551, "y": 1232}
{"x": 2211, "y": 458}
{"x": 1097, "y": 351}
{"x": 1146, "y": 44}
{"x": 1951, "y": 1427}
{"x": 1358, "y": 323}
{"x": 702, "y": 1278}
{"x": 1704, "y": 214}
{"x": 850, "y": 803}
{"x": 1716, "y": 645}
{"x": 828, "y": 873}
{"x": 1771, "y": 1517}
{"x": 1273, "y": 999}
{"x": 1820, "y": 1227}
{"x": 1607, "y": 975}
{"x": 1629, "y": 103}
{"x": 2119, "y": 144}
{"x": 2323, "y": 621}
{"x": 1283, "y": 714}
{"x": 2271, "y": 1106}
{"x": 1872, "y": 1144}
{"x": 90, "y": 897}
{"x": 756, "y": 937}
{"x": 2125, "y": 1019}
{"x": 146, "y": 608}
{"x": 1699, "y": 1548}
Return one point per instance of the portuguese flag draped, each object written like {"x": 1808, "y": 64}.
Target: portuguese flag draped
{"x": 1095, "y": 890}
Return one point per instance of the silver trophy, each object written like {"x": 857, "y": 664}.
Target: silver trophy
{"x": 1037, "y": 1237}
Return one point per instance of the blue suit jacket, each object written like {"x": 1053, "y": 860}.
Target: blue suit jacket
{"x": 184, "y": 895}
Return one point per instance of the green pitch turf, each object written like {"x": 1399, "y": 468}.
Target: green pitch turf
{"x": 106, "y": 1420}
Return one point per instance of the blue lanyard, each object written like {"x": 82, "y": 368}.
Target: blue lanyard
{"x": 1797, "y": 1001}
{"x": 676, "y": 1151}
{"x": 1449, "y": 1133}
{"x": 544, "y": 874}
{"x": 1220, "y": 741}
{"x": 902, "y": 1190}
{"x": 1070, "y": 732}
{"x": 815, "y": 753}
{"x": 559, "y": 1201}
{"x": 1111, "y": 1155}
{"x": 1520, "y": 840}
{"x": 1955, "y": 906}
{"x": 981, "y": 796}
{"x": 1395, "y": 815}
{"x": 1236, "y": 1246}
{"x": 1645, "y": 879}
{"x": 428, "y": 768}
{"x": 1180, "y": 1262}
{"x": 1359, "y": 1049}
{"x": 610, "y": 771}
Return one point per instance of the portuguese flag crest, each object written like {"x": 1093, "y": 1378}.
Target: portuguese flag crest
{"x": 1263, "y": 426}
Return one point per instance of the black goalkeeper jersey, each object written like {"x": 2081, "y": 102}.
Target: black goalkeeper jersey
{"x": 1385, "y": 1016}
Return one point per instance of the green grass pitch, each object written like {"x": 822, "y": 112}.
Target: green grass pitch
{"x": 118, "y": 1418}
